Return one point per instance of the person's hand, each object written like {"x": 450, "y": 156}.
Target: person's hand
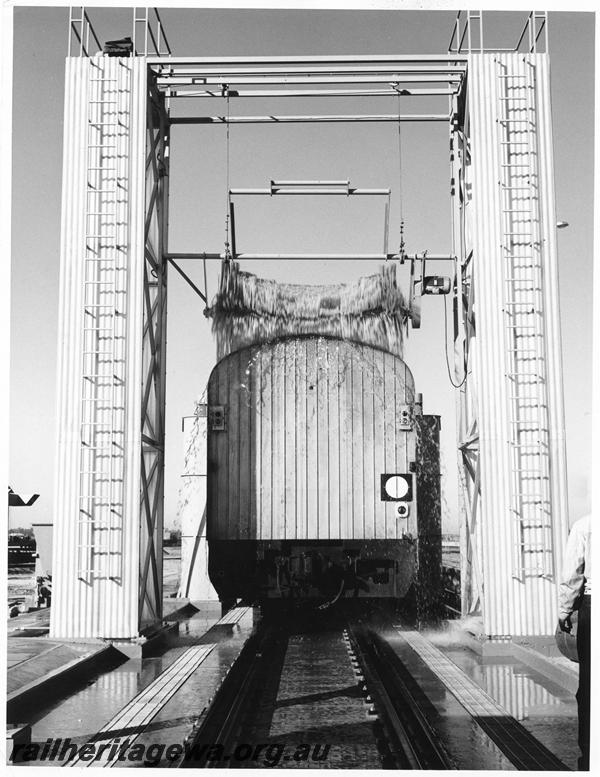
{"x": 565, "y": 624}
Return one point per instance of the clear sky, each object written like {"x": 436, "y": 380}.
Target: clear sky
{"x": 367, "y": 154}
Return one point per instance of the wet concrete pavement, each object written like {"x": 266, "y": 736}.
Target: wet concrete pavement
{"x": 83, "y": 713}
{"x": 542, "y": 706}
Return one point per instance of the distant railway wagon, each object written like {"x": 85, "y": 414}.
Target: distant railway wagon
{"x": 21, "y": 550}
{"x": 323, "y": 474}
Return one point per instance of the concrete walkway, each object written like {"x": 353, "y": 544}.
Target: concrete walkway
{"x": 33, "y": 659}
{"x": 38, "y": 665}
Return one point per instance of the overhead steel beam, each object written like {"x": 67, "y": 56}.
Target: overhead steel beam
{"x": 312, "y": 70}
{"x": 345, "y": 192}
{"x": 390, "y": 92}
{"x": 170, "y": 62}
{"x": 376, "y": 78}
{"x": 380, "y": 257}
{"x": 310, "y": 119}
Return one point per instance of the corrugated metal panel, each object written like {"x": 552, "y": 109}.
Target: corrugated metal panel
{"x": 66, "y": 596}
{"x": 324, "y": 417}
{"x": 97, "y": 606}
{"x": 485, "y": 210}
{"x": 511, "y": 606}
{"x": 558, "y": 480}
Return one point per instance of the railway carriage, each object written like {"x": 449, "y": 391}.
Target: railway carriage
{"x": 323, "y": 474}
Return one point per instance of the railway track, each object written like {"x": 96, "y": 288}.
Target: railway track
{"x": 327, "y": 695}
{"x": 411, "y": 741}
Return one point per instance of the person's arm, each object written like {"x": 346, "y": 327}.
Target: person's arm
{"x": 573, "y": 579}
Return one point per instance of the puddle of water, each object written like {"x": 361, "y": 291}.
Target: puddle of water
{"x": 544, "y": 708}
{"x": 85, "y": 712}
{"x": 462, "y": 737}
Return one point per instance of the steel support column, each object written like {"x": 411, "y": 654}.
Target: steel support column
{"x": 154, "y": 356}
{"x": 511, "y": 409}
{"x": 111, "y": 373}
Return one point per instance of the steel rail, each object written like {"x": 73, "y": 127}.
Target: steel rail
{"x": 310, "y": 119}
{"x": 219, "y": 721}
{"x": 432, "y": 749}
{"x": 413, "y": 741}
{"x": 398, "y": 740}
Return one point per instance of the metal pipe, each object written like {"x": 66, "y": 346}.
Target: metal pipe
{"x": 231, "y": 226}
{"x": 162, "y": 30}
{"x": 348, "y": 192}
{"x": 456, "y": 23}
{"x": 319, "y": 256}
{"x": 310, "y": 183}
{"x": 186, "y": 278}
{"x": 525, "y": 29}
{"x": 156, "y": 47}
{"x": 309, "y": 119}
{"x": 386, "y": 226}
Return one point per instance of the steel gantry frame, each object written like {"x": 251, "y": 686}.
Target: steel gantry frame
{"x": 125, "y": 607}
{"x": 406, "y": 76}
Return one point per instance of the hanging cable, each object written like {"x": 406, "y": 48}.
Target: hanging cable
{"x": 456, "y": 385}
{"x": 457, "y": 276}
{"x": 401, "y": 250}
{"x": 228, "y": 196}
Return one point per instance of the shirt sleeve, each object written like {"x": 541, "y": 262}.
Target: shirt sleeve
{"x": 573, "y": 578}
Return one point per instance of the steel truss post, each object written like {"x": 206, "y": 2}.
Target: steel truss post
{"x": 469, "y": 470}
{"x": 154, "y": 357}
